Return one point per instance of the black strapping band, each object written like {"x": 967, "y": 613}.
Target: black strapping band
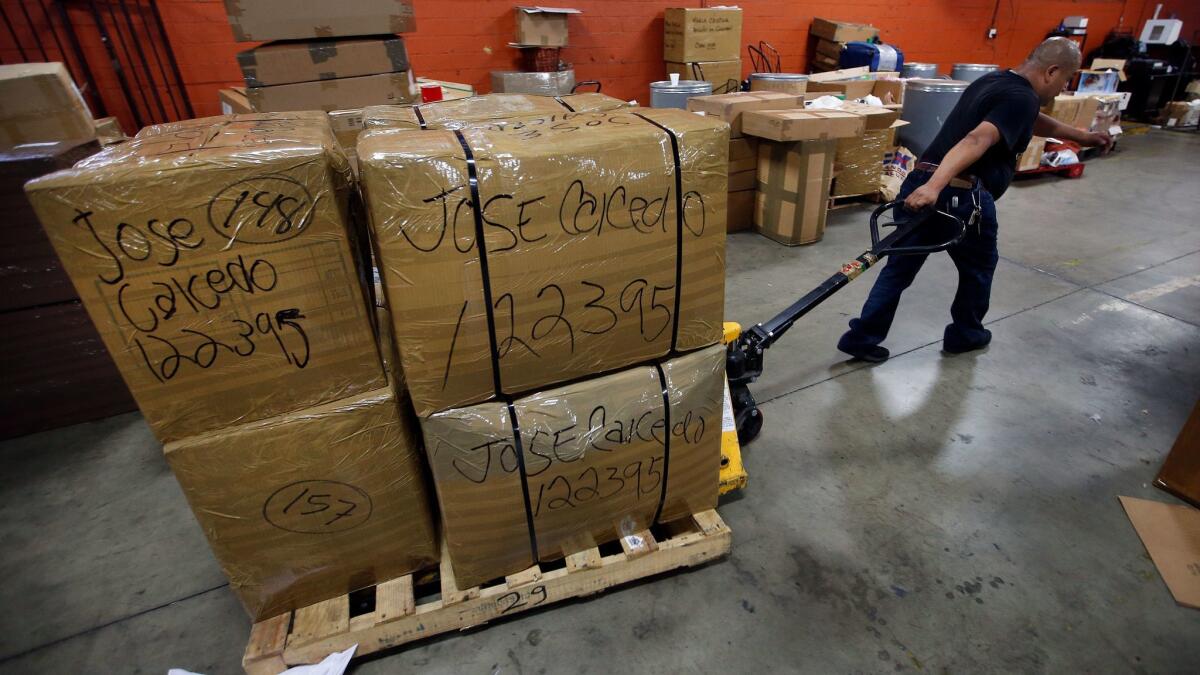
{"x": 678, "y": 230}
{"x": 662, "y": 498}
{"x": 564, "y": 103}
{"x": 477, "y": 212}
{"x": 421, "y": 118}
{"x": 512, "y": 416}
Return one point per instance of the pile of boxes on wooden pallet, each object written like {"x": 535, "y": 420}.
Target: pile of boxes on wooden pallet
{"x": 829, "y": 37}
{"x": 57, "y": 372}
{"x": 568, "y": 384}
{"x": 1092, "y": 107}
{"x": 541, "y": 34}
{"x": 704, "y": 44}
{"x": 859, "y": 160}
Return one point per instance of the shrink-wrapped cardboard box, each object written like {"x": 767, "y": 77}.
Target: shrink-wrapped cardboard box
{"x": 598, "y": 243}
{"x": 570, "y": 467}
{"x": 504, "y": 109}
{"x": 340, "y": 94}
{"x": 216, "y": 258}
{"x": 288, "y": 62}
{"x": 312, "y": 504}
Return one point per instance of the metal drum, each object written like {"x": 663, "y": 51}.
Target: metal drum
{"x": 914, "y": 70}
{"x": 674, "y": 94}
{"x": 969, "y": 72}
{"x": 788, "y": 83}
{"x": 927, "y": 104}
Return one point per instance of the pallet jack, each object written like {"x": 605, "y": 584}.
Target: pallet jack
{"x": 744, "y": 360}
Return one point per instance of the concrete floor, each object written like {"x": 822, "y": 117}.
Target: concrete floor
{"x": 931, "y": 514}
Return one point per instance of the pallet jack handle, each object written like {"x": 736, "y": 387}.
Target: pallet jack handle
{"x": 744, "y": 358}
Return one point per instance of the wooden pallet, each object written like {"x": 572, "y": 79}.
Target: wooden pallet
{"x": 399, "y": 616}
{"x": 844, "y": 201}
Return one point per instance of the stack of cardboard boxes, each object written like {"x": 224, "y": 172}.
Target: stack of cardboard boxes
{"x": 856, "y": 83}
{"x": 858, "y": 164}
{"x": 828, "y": 38}
{"x": 598, "y": 245}
{"x": 704, "y": 44}
{"x": 541, "y": 33}
{"x": 217, "y": 260}
{"x": 743, "y": 149}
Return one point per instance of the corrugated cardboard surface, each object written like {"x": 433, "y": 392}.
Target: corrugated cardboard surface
{"x": 263, "y": 20}
{"x": 711, "y": 34}
{"x": 798, "y": 87}
{"x": 724, "y": 76}
{"x": 1032, "y": 157}
{"x": 290, "y": 62}
{"x": 1171, "y": 535}
{"x": 842, "y": 31}
{"x": 311, "y": 505}
{"x": 581, "y": 228}
{"x": 542, "y": 27}
{"x": 558, "y": 83}
{"x": 216, "y": 258}
{"x": 507, "y": 109}
{"x": 802, "y": 125}
{"x": 741, "y": 211}
{"x": 1077, "y": 111}
{"x": 859, "y": 160}
{"x": 793, "y": 190}
{"x": 730, "y": 107}
{"x": 339, "y": 94}
{"x": 597, "y": 458}
{"x": 40, "y": 103}
{"x": 234, "y": 101}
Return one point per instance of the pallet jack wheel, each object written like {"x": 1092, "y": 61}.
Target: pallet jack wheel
{"x": 750, "y": 427}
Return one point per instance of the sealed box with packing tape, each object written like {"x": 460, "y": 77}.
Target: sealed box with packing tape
{"x": 571, "y": 467}
{"x": 477, "y": 110}
{"x": 517, "y": 255}
{"x": 289, "y": 62}
{"x": 217, "y": 260}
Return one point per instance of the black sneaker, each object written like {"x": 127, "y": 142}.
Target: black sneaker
{"x": 949, "y": 348}
{"x": 870, "y": 354}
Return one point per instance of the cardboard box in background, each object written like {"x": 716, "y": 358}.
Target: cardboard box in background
{"x": 234, "y": 101}
{"x": 743, "y": 153}
{"x": 742, "y": 180}
{"x": 708, "y": 34}
{"x": 1077, "y": 111}
{"x": 1115, "y": 64}
{"x": 557, "y": 262}
{"x": 725, "y": 76}
{"x": 820, "y": 63}
{"x": 859, "y": 159}
{"x": 264, "y": 20}
{"x": 730, "y": 107}
{"x": 1181, "y": 114}
{"x": 793, "y": 190}
{"x": 227, "y": 310}
{"x": 741, "y": 210}
{"x": 842, "y": 31}
{"x": 340, "y": 94}
{"x": 801, "y": 125}
{"x": 1032, "y": 157}
{"x": 542, "y": 26}
{"x": 540, "y": 84}
{"x": 40, "y": 103}
{"x": 290, "y": 62}
{"x": 590, "y": 480}
{"x": 890, "y": 91}
{"x": 313, "y": 504}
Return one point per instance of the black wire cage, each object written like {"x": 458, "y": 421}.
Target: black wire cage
{"x": 131, "y": 73}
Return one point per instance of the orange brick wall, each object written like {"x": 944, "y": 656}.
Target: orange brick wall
{"x": 619, "y": 42}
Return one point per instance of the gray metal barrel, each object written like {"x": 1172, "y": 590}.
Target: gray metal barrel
{"x": 664, "y": 94}
{"x": 969, "y": 72}
{"x": 788, "y": 83}
{"x": 927, "y": 104}
{"x": 914, "y": 70}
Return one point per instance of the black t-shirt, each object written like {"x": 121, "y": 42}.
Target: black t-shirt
{"x": 1008, "y": 101}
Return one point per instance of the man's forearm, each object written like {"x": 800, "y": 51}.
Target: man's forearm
{"x": 965, "y": 153}
{"x": 1052, "y": 128}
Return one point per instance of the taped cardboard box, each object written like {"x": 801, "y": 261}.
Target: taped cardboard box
{"x": 842, "y": 31}
{"x": 234, "y": 101}
{"x": 821, "y": 63}
{"x": 793, "y": 190}
{"x": 600, "y": 458}
{"x": 702, "y": 34}
{"x": 1181, "y": 114}
{"x": 741, "y": 211}
{"x": 742, "y": 180}
{"x": 542, "y": 26}
{"x": 724, "y": 76}
{"x": 731, "y": 107}
{"x": 1077, "y": 111}
{"x": 339, "y": 94}
{"x": 39, "y": 103}
{"x": 802, "y": 125}
{"x": 584, "y": 247}
{"x": 217, "y": 260}
{"x": 828, "y": 49}
{"x": 264, "y": 20}
{"x": 313, "y": 504}
{"x": 503, "y": 109}
{"x": 888, "y": 90}
{"x": 859, "y": 160}
{"x": 1032, "y": 157}
{"x": 291, "y": 62}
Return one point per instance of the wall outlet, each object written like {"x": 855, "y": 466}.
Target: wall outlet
{"x": 991, "y": 33}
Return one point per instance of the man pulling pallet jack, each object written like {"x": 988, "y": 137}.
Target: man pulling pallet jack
{"x": 948, "y": 205}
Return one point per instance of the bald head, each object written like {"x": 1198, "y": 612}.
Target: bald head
{"x": 1056, "y": 51}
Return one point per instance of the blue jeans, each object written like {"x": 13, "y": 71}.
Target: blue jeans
{"x": 975, "y": 257}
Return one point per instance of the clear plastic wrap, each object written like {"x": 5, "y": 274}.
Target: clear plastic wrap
{"x": 470, "y": 111}
{"x": 599, "y": 459}
{"x": 216, "y": 258}
{"x": 584, "y": 246}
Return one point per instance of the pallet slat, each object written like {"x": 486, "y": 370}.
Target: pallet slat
{"x": 324, "y": 628}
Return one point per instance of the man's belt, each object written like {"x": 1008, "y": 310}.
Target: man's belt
{"x": 962, "y": 180}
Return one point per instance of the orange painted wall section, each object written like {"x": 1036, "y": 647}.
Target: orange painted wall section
{"x": 619, "y": 42}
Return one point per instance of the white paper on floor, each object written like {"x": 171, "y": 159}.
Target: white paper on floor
{"x": 334, "y": 664}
